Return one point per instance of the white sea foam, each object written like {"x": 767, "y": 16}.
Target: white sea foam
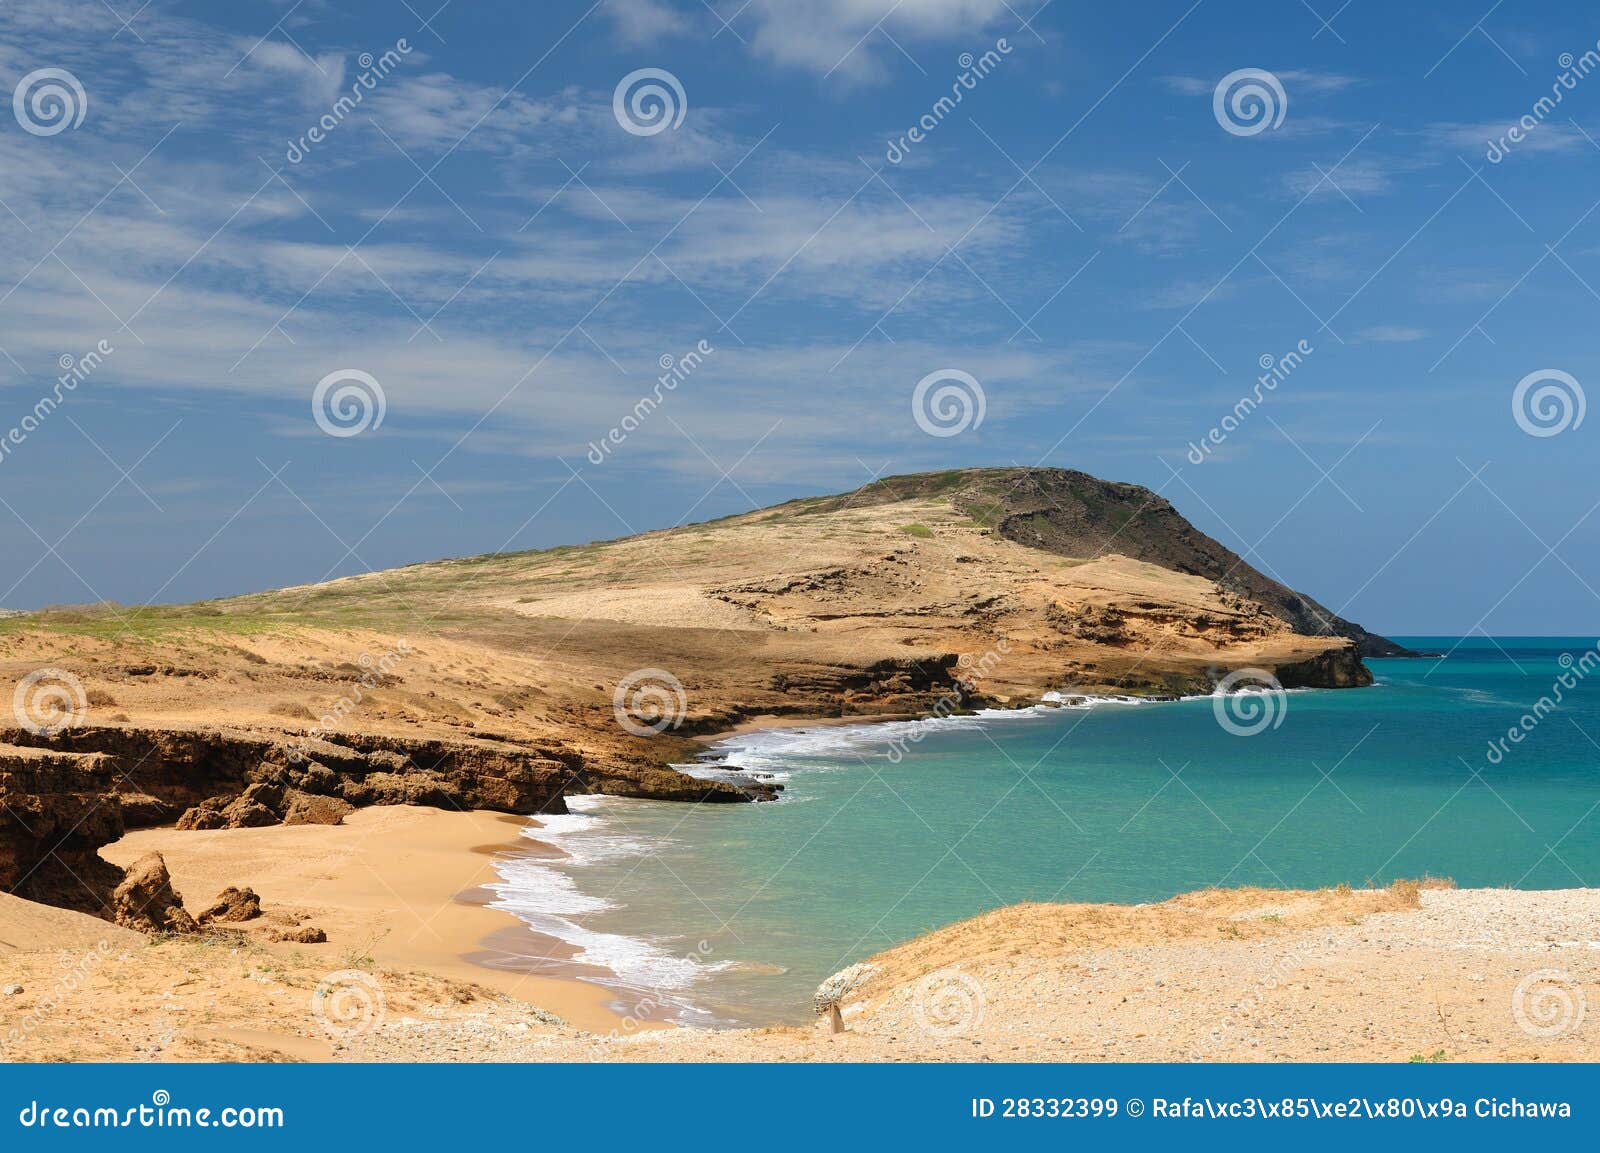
{"x": 823, "y": 748}
{"x": 549, "y": 894}
{"x": 545, "y": 894}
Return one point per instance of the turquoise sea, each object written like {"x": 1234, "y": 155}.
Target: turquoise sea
{"x": 735, "y": 913}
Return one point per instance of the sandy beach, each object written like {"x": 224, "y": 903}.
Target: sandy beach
{"x": 401, "y": 885}
{"x": 1402, "y": 973}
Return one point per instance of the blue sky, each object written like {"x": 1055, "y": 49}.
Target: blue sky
{"x": 1085, "y": 235}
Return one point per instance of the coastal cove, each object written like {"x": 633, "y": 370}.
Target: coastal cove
{"x": 734, "y": 914}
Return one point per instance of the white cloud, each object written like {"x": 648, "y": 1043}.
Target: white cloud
{"x": 1294, "y": 81}
{"x": 1315, "y": 83}
{"x": 1476, "y": 139}
{"x": 1392, "y": 334}
{"x": 846, "y": 38}
{"x": 319, "y": 78}
{"x": 1354, "y": 178}
{"x": 641, "y": 22}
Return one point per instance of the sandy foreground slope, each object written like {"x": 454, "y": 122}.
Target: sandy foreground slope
{"x": 1387, "y": 975}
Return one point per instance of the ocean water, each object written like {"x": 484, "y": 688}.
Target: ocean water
{"x": 734, "y": 914}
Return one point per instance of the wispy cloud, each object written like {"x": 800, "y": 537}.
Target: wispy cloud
{"x": 641, "y": 22}
{"x": 1295, "y": 82}
{"x": 850, "y": 39}
{"x": 1475, "y": 139}
{"x": 1392, "y": 334}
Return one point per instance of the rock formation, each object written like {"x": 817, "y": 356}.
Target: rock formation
{"x": 145, "y": 900}
{"x": 232, "y": 905}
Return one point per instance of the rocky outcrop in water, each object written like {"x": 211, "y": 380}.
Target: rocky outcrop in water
{"x": 1334, "y": 669}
